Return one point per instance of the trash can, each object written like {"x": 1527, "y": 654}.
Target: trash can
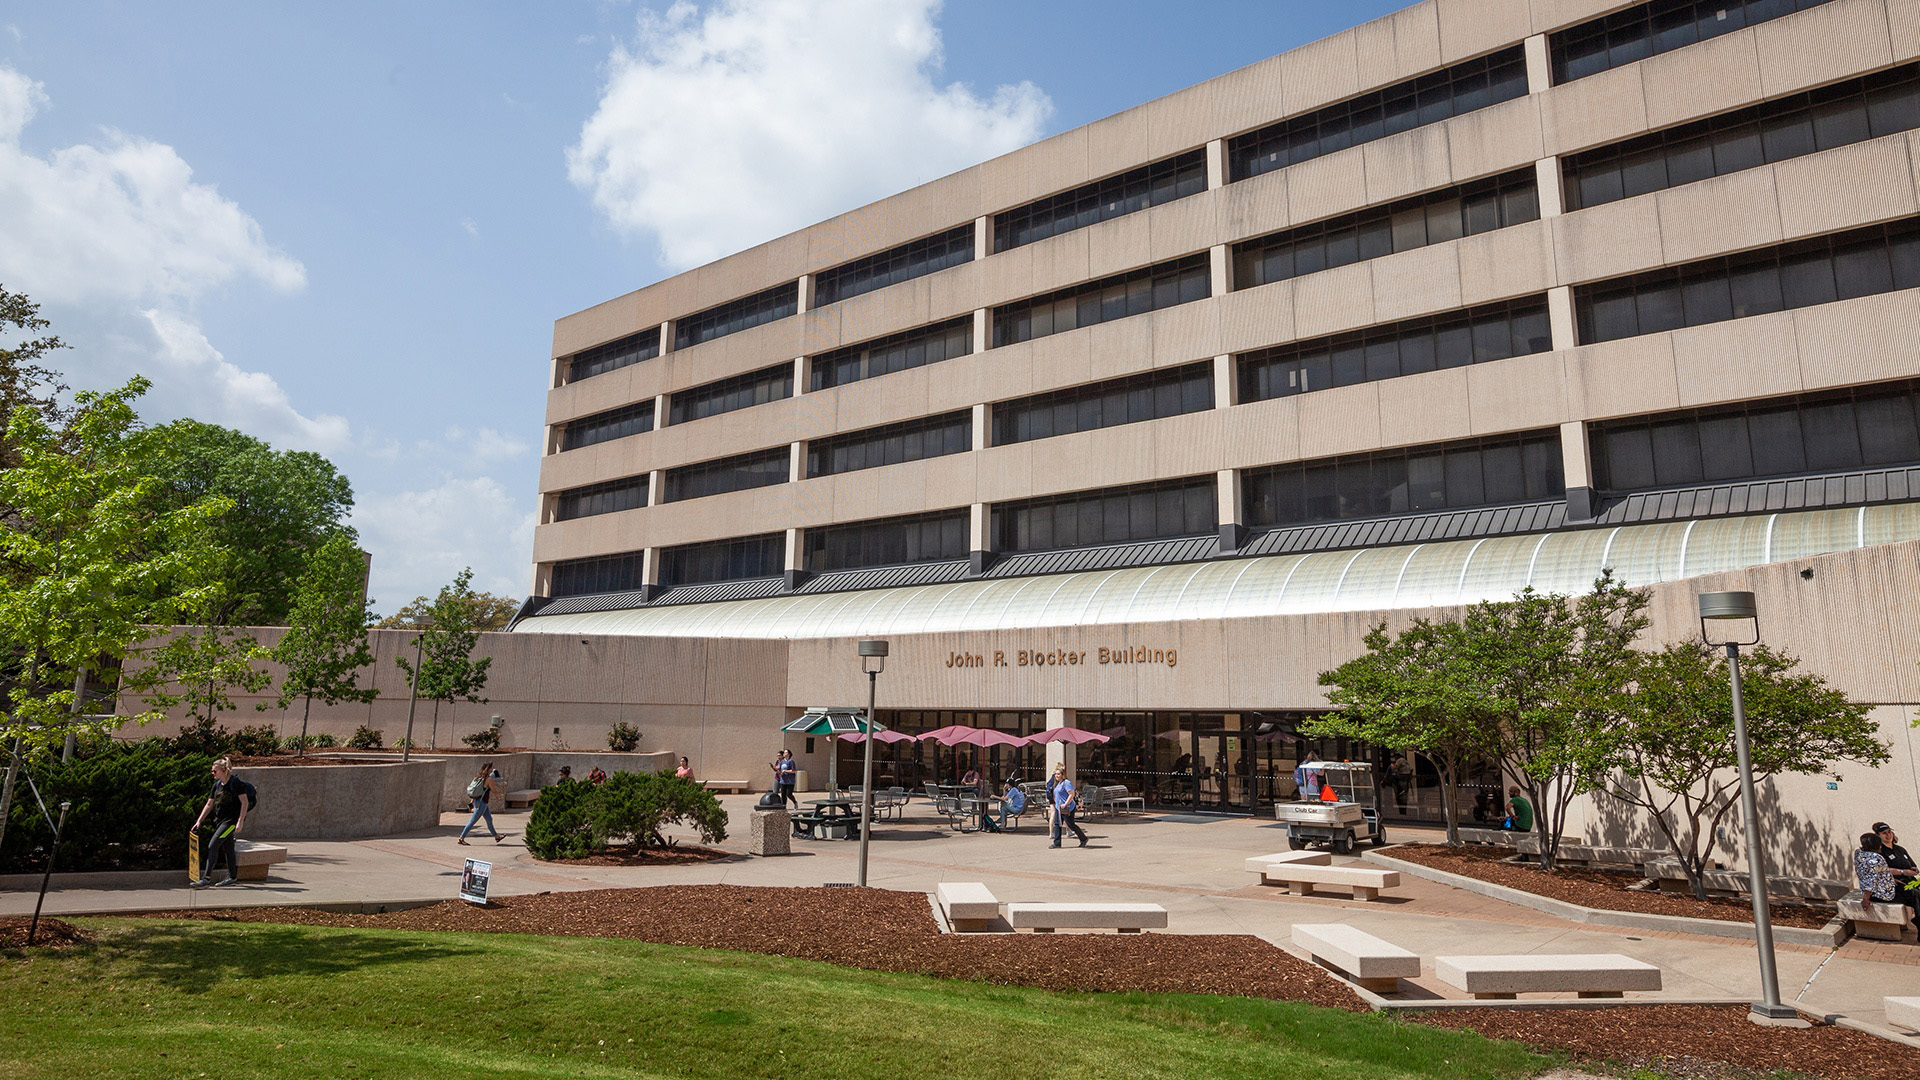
{"x": 770, "y": 832}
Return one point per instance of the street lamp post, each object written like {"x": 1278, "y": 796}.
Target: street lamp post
{"x": 413, "y": 695}
{"x": 1728, "y": 606}
{"x": 873, "y": 658}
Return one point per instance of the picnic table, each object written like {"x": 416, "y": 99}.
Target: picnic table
{"x": 833, "y": 819}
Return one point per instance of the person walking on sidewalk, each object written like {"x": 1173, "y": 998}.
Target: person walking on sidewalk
{"x": 784, "y": 775}
{"x": 482, "y": 790}
{"x": 229, "y": 802}
{"x": 1065, "y": 800}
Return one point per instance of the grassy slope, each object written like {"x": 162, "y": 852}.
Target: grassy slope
{"x": 156, "y": 999}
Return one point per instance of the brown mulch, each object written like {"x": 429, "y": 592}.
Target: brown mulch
{"x": 1682, "y": 1038}
{"x": 1605, "y": 889}
{"x": 52, "y": 933}
{"x": 633, "y": 855}
{"x": 872, "y": 929}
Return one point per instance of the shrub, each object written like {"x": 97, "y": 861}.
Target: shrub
{"x": 315, "y": 741}
{"x": 203, "y": 737}
{"x": 259, "y": 740}
{"x": 487, "y": 738}
{"x": 131, "y": 803}
{"x": 623, "y": 737}
{"x": 365, "y": 738}
{"x": 635, "y": 805}
{"x": 557, "y": 828}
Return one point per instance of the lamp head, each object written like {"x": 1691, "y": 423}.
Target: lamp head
{"x": 1726, "y": 607}
{"x": 873, "y": 656}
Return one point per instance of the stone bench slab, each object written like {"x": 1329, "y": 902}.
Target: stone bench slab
{"x": 969, "y": 905}
{"x": 1367, "y": 960}
{"x": 1259, "y": 863}
{"x": 253, "y": 858}
{"x": 1885, "y": 921}
{"x": 1365, "y": 882}
{"x": 727, "y": 786}
{"x": 522, "y": 797}
{"x": 1126, "y": 918}
{"x": 1586, "y": 974}
{"x": 1902, "y": 1012}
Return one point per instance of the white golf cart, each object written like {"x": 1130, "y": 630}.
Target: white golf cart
{"x": 1335, "y": 824}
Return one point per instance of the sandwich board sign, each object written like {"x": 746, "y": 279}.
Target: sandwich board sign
{"x": 473, "y": 883}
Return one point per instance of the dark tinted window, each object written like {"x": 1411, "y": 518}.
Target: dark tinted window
{"x": 603, "y": 574}
{"x": 724, "y": 560}
{"x": 728, "y": 395}
{"x": 1451, "y": 476}
{"x": 904, "y": 263}
{"x": 1433, "y": 218}
{"x": 912, "y": 440}
{"x": 1472, "y": 336}
{"x": 604, "y": 427}
{"x": 1128, "y": 400}
{"x": 613, "y": 496}
{"x": 888, "y": 542}
{"x": 1164, "y": 285}
{"x": 895, "y": 352}
{"x": 1107, "y": 516}
{"x": 737, "y": 315}
{"x": 600, "y": 359}
{"x": 1650, "y": 29}
{"x": 1148, "y": 185}
{"x": 1862, "y": 262}
{"x": 1428, "y": 99}
{"x": 737, "y": 473}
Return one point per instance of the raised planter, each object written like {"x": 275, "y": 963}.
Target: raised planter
{"x": 366, "y": 797}
{"x": 518, "y": 768}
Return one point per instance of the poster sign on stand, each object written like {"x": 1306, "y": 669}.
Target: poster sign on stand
{"x": 473, "y": 883}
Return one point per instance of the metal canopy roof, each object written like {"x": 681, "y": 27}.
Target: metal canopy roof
{"x": 1401, "y": 576}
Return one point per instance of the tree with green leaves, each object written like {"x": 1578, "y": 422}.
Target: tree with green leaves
{"x": 23, "y": 380}
{"x": 200, "y": 667}
{"x": 490, "y": 613}
{"x": 1545, "y": 673}
{"x": 448, "y": 672}
{"x": 286, "y": 504}
{"x": 1404, "y": 694}
{"x": 1671, "y": 753}
{"x": 325, "y": 646}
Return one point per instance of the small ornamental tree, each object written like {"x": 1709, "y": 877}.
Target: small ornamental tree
{"x": 448, "y": 671}
{"x": 1403, "y": 694}
{"x": 1671, "y": 753}
{"x": 200, "y": 667}
{"x": 325, "y": 646}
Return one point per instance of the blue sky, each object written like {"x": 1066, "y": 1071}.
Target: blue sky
{"x": 349, "y": 227}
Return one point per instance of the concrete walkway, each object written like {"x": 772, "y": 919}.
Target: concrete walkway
{"x": 1192, "y": 866}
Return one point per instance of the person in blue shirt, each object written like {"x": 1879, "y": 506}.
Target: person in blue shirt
{"x": 1012, "y": 801}
{"x": 1065, "y": 800}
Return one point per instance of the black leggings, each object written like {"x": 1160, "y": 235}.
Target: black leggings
{"x": 218, "y": 848}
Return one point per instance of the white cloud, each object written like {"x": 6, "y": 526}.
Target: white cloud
{"x": 472, "y": 227}
{"x": 122, "y": 220}
{"x": 718, "y": 130}
{"x": 249, "y": 400}
{"x": 422, "y": 538}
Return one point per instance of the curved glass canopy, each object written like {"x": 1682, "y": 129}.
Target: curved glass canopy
{"x": 1406, "y": 576}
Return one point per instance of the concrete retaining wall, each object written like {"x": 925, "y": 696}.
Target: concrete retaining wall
{"x": 527, "y": 769}
{"x": 344, "y": 802}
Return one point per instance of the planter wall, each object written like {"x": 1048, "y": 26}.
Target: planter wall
{"x": 344, "y": 802}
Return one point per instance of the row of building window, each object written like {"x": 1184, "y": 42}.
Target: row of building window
{"x": 1149, "y": 185}
{"x": 727, "y": 395}
{"x": 628, "y": 493}
{"x": 741, "y": 472}
{"x": 1131, "y": 399}
{"x": 602, "y": 427}
{"x": 1454, "y": 476}
{"x": 1790, "y": 127}
{"x": 1629, "y": 36}
{"x": 1436, "y": 217}
{"x": 614, "y": 355}
{"x": 1151, "y": 288}
{"x": 1155, "y": 511}
{"x": 1866, "y": 427}
{"x": 910, "y": 440}
{"x": 1463, "y": 88}
{"x": 1860, "y": 262}
{"x": 896, "y": 352}
{"x": 738, "y": 559}
{"x": 904, "y": 263}
{"x": 916, "y": 538}
{"x": 1435, "y": 342}
{"x": 600, "y": 574}
{"x": 736, "y": 315}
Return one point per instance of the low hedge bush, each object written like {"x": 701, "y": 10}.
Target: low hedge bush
{"x": 573, "y": 819}
{"x": 132, "y": 807}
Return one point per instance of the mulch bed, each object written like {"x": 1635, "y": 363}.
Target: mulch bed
{"x": 1605, "y": 889}
{"x": 52, "y": 934}
{"x": 878, "y": 930}
{"x": 632, "y": 855}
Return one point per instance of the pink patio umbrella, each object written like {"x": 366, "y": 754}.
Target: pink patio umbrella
{"x": 961, "y": 735}
{"x": 883, "y": 736}
{"x": 1066, "y": 735}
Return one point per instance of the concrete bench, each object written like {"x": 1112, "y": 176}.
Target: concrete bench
{"x": 1595, "y": 855}
{"x": 1126, "y": 918}
{"x": 1257, "y": 865}
{"x": 253, "y": 858}
{"x": 523, "y": 798}
{"x": 1673, "y": 878}
{"x": 1590, "y": 975}
{"x": 1495, "y": 837}
{"x": 727, "y": 787}
{"x": 1886, "y": 920}
{"x": 1365, "y": 882}
{"x": 1372, "y": 963}
{"x": 1902, "y": 1012}
{"x": 969, "y": 905}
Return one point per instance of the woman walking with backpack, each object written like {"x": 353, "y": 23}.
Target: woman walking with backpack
{"x": 481, "y": 790}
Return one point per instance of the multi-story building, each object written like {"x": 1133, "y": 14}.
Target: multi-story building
{"x": 1136, "y": 428}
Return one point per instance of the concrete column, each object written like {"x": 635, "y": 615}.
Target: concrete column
{"x": 982, "y": 237}
{"x": 1062, "y": 753}
{"x": 982, "y": 426}
{"x": 1226, "y": 382}
{"x": 656, "y": 487}
{"x": 650, "y": 573}
{"x": 1539, "y": 65}
{"x": 982, "y": 329}
{"x": 1216, "y": 164}
{"x": 805, "y": 300}
{"x": 799, "y": 375}
{"x": 660, "y": 411}
{"x": 797, "y": 462}
{"x": 1220, "y": 269}
{"x": 796, "y": 562}
{"x": 979, "y": 536}
{"x": 559, "y": 371}
{"x": 666, "y": 337}
{"x": 1546, "y": 176}
{"x": 542, "y": 580}
{"x": 1560, "y": 317}
{"x": 1576, "y": 459}
{"x": 1227, "y": 490}
{"x": 555, "y": 433}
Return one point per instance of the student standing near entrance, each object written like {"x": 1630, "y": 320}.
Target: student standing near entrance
{"x": 229, "y": 802}
{"x": 1065, "y": 800}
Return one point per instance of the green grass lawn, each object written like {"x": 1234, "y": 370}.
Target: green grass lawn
{"x": 157, "y": 999}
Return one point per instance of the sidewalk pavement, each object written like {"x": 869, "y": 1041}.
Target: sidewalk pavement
{"x": 1192, "y": 867}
